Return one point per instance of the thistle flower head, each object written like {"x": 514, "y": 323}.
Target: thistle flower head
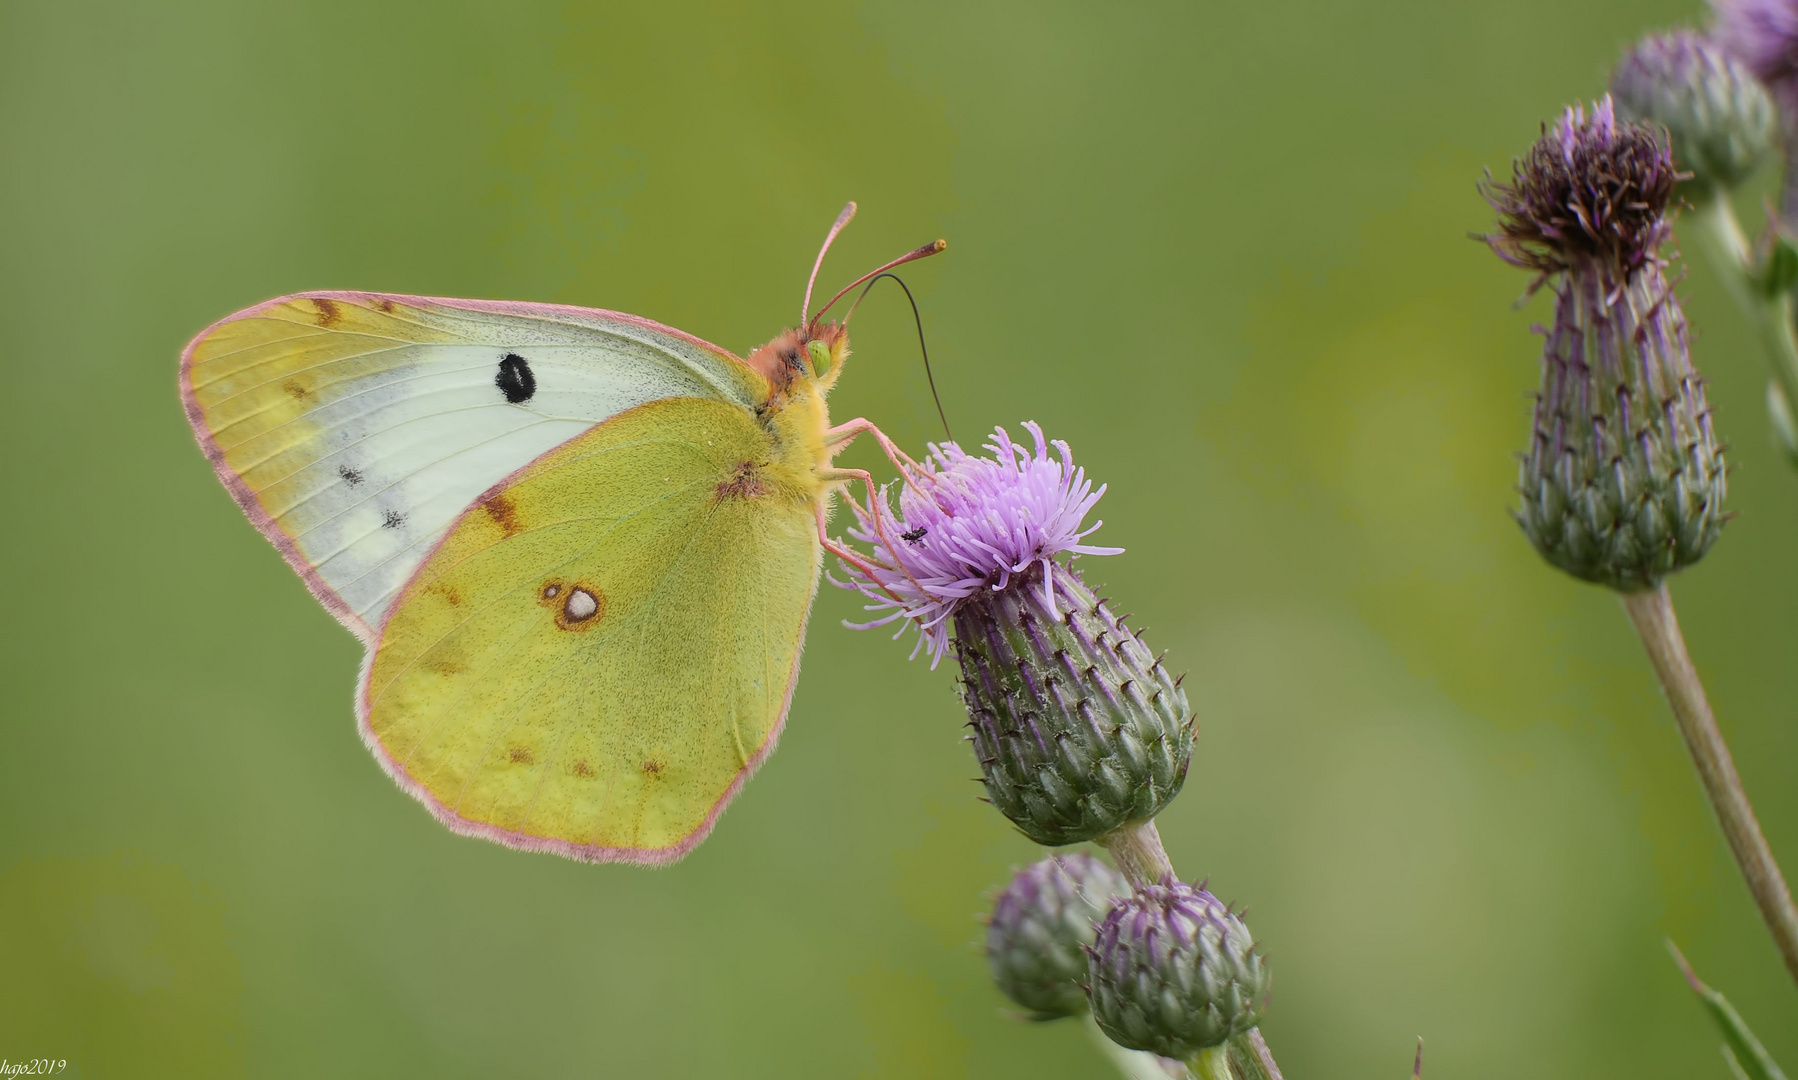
{"x": 968, "y": 525}
{"x": 1716, "y": 113}
{"x": 1590, "y": 191}
{"x": 1077, "y": 726}
{"x": 1623, "y": 481}
{"x": 1041, "y": 926}
{"x": 1173, "y": 971}
{"x": 1762, "y": 34}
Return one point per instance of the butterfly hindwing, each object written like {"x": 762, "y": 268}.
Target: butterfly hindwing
{"x": 353, "y": 428}
{"x": 601, "y": 649}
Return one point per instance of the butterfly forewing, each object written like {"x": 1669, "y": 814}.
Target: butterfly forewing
{"x": 354, "y": 428}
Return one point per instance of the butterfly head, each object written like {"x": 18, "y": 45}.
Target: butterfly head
{"x": 810, "y": 356}
{"x": 805, "y": 356}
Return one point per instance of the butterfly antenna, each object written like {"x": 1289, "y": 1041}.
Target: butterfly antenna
{"x": 932, "y": 248}
{"x": 836, "y": 227}
{"x": 922, "y": 348}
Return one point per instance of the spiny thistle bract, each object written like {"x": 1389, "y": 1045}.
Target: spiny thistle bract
{"x": 1173, "y": 971}
{"x": 1623, "y": 481}
{"x": 1716, "y": 113}
{"x": 1077, "y": 726}
{"x": 1041, "y": 926}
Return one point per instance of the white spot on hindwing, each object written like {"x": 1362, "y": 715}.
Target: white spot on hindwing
{"x": 577, "y": 605}
{"x": 581, "y": 606}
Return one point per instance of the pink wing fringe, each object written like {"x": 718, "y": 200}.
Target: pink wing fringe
{"x": 370, "y": 637}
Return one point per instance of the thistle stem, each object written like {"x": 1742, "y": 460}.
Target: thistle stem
{"x": 1652, "y": 613}
{"x": 1730, "y": 252}
{"x": 1250, "y": 1058}
{"x": 1212, "y": 1064}
{"x": 1137, "y": 851}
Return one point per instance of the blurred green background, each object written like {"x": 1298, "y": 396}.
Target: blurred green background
{"x": 1219, "y": 248}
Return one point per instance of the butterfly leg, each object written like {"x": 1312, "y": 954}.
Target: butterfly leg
{"x": 844, "y": 476}
{"x": 848, "y": 555}
{"x": 838, "y": 438}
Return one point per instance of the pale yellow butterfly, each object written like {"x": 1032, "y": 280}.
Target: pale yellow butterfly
{"x": 580, "y": 546}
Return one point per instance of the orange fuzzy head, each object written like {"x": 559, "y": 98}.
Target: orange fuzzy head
{"x": 814, "y": 352}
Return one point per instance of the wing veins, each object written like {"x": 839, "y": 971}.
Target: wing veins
{"x": 440, "y": 639}
{"x": 486, "y": 752}
{"x": 402, "y": 479}
{"x": 425, "y": 373}
{"x": 454, "y": 519}
{"x": 400, "y": 343}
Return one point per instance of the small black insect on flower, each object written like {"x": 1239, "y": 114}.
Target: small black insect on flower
{"x": 915, "y": 535}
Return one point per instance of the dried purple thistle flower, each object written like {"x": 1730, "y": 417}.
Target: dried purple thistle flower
{"x": 1077, "y": 726}
{"x": 1716, "y": 113}
{"x": 1590, "y": 191}
{"x": 1623, "y": 482}
{"x": 1174, "y": 972}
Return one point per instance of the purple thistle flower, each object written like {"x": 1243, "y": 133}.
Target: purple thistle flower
{"x": 968, "y": 524}
{"x": 1077, "y": 727}
{"x": 1623, "y": 481}
{"x": 1591, "y": 191}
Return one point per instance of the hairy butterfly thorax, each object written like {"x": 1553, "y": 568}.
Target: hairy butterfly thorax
{"x": 801, "y": 366}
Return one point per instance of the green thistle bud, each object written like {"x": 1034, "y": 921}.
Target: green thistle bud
{"x": 1623, "y": 482}
{"x": 1717, "y": 113}
{"x": 1077, "y": 726}
{"x": 1041, "y": 927}
{"x": 1174, "y": 972}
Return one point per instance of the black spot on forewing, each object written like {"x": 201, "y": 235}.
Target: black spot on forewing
{"x": 515, "y": 379}
{"x": 349, "y": 476}
{"x": 392, "y": 519}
